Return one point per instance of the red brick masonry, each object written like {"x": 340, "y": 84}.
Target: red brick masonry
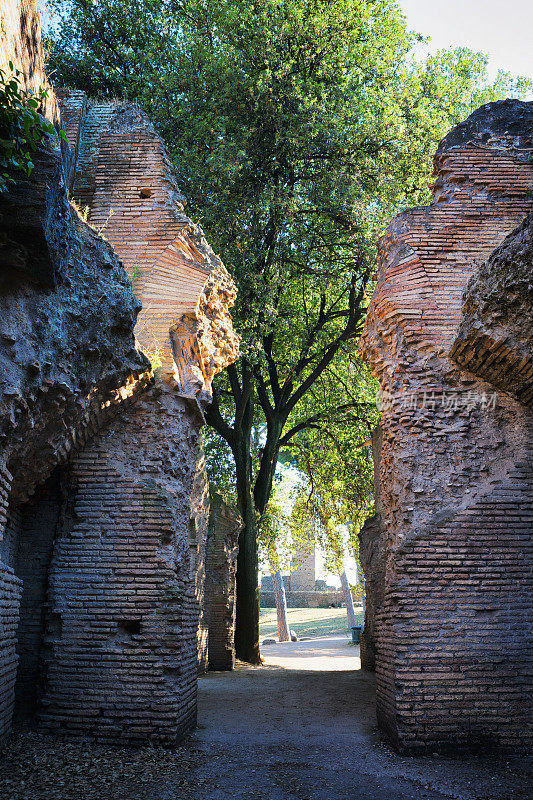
{"x": 449, "y": 553}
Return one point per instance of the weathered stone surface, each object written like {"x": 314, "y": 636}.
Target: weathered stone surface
{"x": 495, "y": 337}
{"x": 303, "y": 575}
{"x": 67, "y": 350}
{"x": 447, "y": 558}
{"x": 68, "y": 360}
{"x": 109, "y": 551}
{"x": 35, "y": 221}
{"x": 126, "y": 181}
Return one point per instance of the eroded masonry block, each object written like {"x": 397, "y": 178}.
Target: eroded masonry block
{"x": 68, "y": 362}
{"x": 103, "y": 492}
{"x": 495, "y": 337}
{"x": 221, "y": 567}
{"x": 448, "y": 556}
{"x": 121, "y": 630}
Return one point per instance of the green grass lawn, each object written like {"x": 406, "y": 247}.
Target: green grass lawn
{"x": 308, "y": 621}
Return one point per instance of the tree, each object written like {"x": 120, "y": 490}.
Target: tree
{"x": 296, "y": 128}
{"x": 274, "y": 524}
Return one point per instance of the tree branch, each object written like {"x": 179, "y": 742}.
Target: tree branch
{"x": 217, "y": 421}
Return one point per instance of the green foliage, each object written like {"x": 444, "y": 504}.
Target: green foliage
{"x": 297, "y": 129}
{"x": 155, "y": 357}
{"x": 22, "y": 129}
{"x": 335, "y": 458}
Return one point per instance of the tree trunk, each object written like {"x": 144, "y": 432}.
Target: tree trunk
{"x": 247, "y": 604}
{"x": 281, "y": 607}
{"x": 350, "y": 611}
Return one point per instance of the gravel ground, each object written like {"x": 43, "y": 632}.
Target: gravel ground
{"x": 265, "y": 733}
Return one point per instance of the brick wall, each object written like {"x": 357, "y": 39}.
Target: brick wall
{"x": 124, "y": 589}
{"x": 121, "y": 632}
{"x": 495, "y": 337}
{"x": 125, "y": 179}
{"x": 221, "y": 566}
{"x": 10, "y": 591}
{"x": 27, "y": 528}
{"x": 454, "y": 505}
{"x": 37, "y": 522}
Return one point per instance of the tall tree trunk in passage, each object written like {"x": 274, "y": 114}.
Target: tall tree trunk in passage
{"x": 247, "y": 605}
{"x": 350, "y": 611}
{"x": 281, "y": 607}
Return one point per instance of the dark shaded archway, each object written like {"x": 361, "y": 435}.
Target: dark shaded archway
{"x": 28, "y": 549}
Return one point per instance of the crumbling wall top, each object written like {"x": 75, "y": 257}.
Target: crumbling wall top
{"x": 505, "y": 121}
{"x": 125, "y": 180}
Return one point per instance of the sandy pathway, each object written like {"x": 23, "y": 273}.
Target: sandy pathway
{"x": 302, "y": 727}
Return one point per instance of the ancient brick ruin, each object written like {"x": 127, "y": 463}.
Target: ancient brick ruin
{"x": 448, "y": 555}
{"x": 103, "y": 487}
{"x": 220, "y": 588}
{"x": 114, "y": 590}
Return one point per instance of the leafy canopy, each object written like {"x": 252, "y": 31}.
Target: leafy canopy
{"x": 297, "y": 129}
{"x": 22, "y": 129}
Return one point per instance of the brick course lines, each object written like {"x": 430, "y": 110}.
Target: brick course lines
{"x": 451, "y": 587}
{"x": 37, "y": 523}
{"x": 126, "y": 179}
{"x": 121, "y": 635}
{"x": 10, "y": 592}
{"x": 221, "y": 566}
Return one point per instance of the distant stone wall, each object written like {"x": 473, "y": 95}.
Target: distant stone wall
{"x": 302, "y": 578}
{"x": 448, "y": 556}
{"x": 303, "y": 599}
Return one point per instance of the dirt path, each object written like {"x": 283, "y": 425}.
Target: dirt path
{"x": 265, "y": 733}
{"x": 290, "y": 733}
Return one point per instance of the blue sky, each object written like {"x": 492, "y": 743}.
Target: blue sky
{"x": 503, "y": 30}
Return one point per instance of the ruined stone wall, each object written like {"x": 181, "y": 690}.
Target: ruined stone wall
{"x": 302, "y": 578}
{"x": 126, "y": 181}
{"x": 121, "y": 629}
{"x": 112, "y": 567}
{"x": 147, "y": 617}
{"x": 300, "y": 599}
{"x": 67, "y": 357}
{"x": 495, "y": 337}
{"x": 221, "y": 567}
{"x": 448, "y": 558}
